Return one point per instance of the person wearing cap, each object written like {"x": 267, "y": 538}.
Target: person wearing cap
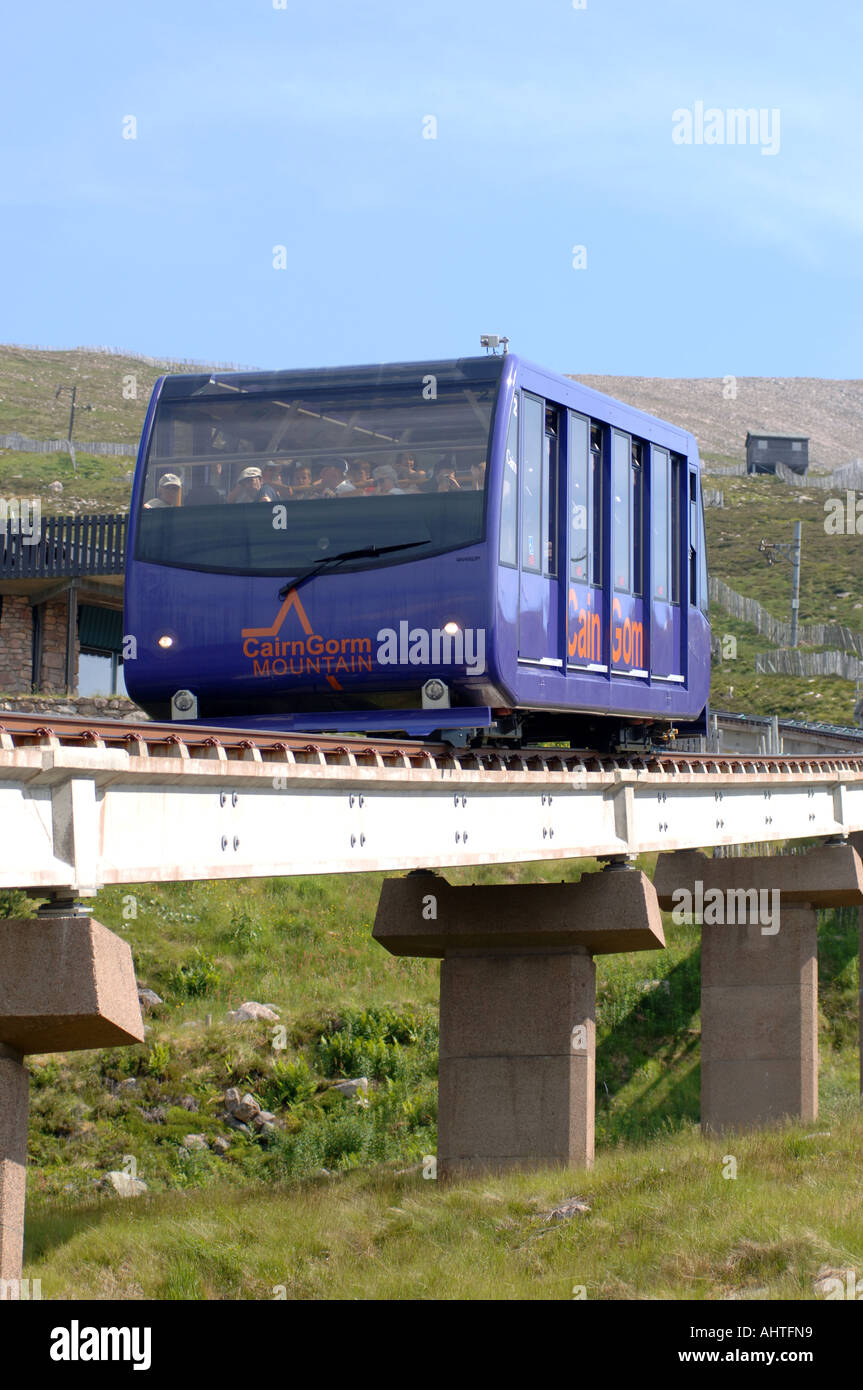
{"x": 333, "y": 480}
{"x": 169, "y": 492}
{"x": 387, "y": 478}
{"x": 251, "y": 488}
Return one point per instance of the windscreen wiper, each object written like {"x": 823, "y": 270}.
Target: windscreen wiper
{"x": 367, "y": 552}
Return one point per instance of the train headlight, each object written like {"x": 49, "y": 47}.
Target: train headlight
{"x": 184, "y": 705}
{"x": 435, "y": 694}
{"x": 451, "y": 628}
{"x": 165, "y": 641}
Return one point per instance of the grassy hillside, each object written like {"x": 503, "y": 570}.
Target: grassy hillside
{"x": 735, "y": 684}
{"x": 334, "y": 1203}
{"x": 29, "y": 378}
{"x": 830, "y": 591}
{"x": 830, "y": 412}
{"x": 831, "y": 565}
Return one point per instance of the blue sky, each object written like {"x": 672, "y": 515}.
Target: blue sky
{"x": 302, "y": 127}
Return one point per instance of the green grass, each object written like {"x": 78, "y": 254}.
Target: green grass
{"x": 736, "y": 685}
{"x": 29, "y": 378}
{"x": 664, "y": 1223}
{"x": 100, "y": 484}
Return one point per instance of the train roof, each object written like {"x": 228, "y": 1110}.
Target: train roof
{"x": 448, "y": 371}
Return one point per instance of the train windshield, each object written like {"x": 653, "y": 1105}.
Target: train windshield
{"x": 269, "y": 473}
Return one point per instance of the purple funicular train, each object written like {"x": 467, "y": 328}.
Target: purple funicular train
{"x": 474, "y": 550}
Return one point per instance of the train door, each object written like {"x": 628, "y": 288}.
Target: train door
{"x": 629, "y": 637}
{"x": 539, "y": 607}
{"x": 667, "y": 630}
{"x": 584, "y": 606}
{"x": 697, "y": 546}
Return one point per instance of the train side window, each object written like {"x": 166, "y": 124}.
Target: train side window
{"x": 549, "y": 490}
{"x": 595, "y": 507}
{"x": 533, "y": 450}
{"x": 676, "y": 528}
{"x": 703, "y": 587}
{"x": 637, "y": 517}
{"x": 621, "y": 530}
{"x": 693, "y": 537}
{"x": 509, "y": 493}
{"x": 660, "y": 519}
{"x": 579, "y": 451}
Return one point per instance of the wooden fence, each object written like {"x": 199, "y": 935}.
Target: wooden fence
{"x": 849, "y": 476}
{"x": 61, "y": 446}
{"x": 67, "y": 545}
{"x": 749, "y": 610}
{"x": 723, "y": 470}
{"x": 790, "y": 661}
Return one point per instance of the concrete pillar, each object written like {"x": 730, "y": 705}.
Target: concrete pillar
{"x": 14, "y": 1105}
{"x": 857, "y": 841}
{"x": 65, "y": 983}
{"x": 516, "y": 1078}
{"x": 759, "y": 975}
{"x": 517, "y": 1020}
{"x": 759, "y": 1022}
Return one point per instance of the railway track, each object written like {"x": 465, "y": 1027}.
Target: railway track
{"x": 145, "y": 738}
{"x": 86, "y": 803}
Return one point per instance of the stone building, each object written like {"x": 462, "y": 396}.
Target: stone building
{"x": 61, "y": 607}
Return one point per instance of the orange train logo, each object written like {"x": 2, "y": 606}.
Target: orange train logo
{"x": 310, "y": 655}
{"x": 273, "y": 655}
{"x": 584, "y": 635}
{"x": 585, "y": 631}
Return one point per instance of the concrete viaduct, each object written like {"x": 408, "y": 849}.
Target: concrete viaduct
{"x": 85, "y": 805}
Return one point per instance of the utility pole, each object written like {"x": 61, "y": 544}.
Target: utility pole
{"x": 795, "y": 583}
{"x": 779, "y": 550}
{"x": 74, "y": 393}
